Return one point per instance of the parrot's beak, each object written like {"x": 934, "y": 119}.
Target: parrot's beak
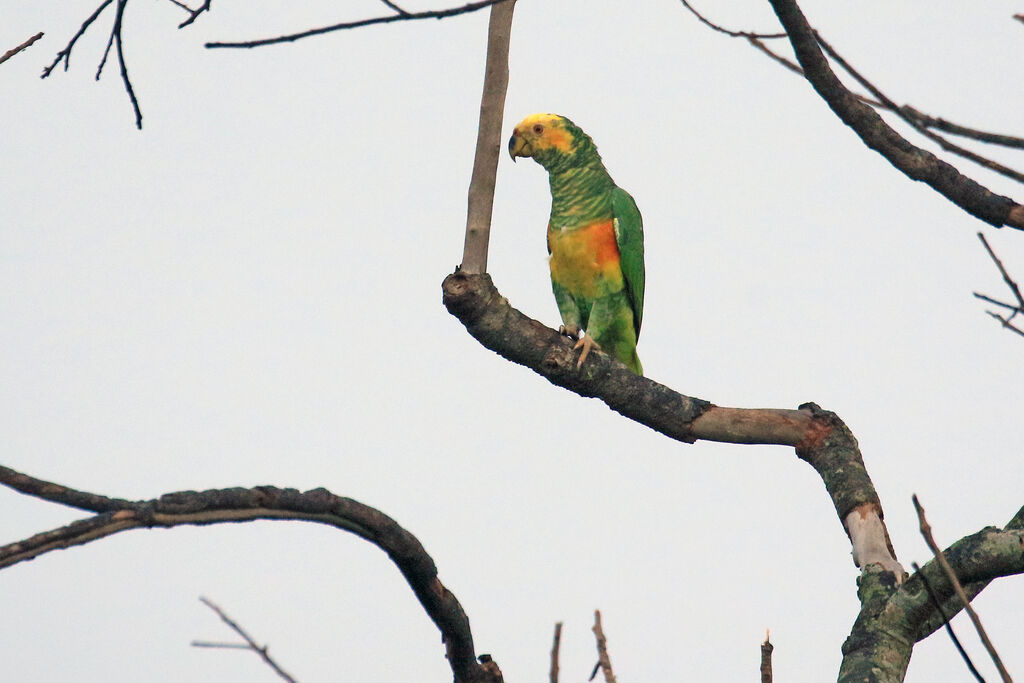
{"x": 519, "y": 147}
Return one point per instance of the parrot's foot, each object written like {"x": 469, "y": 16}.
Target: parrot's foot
{"x": 570, "y": 331}
{"x": 586, "y": 343}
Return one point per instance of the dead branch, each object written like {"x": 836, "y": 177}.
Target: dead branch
{"x": 115, "y": 41}
{"x": 949, "y": 627}
{"x": 926, "y": 532}
{"x": 914, "y": 162}
{"x": 555, "y": 645}
{"x": 15, "y": 50}
{"x": 766, "y": 658}
{"x": 65, "y": 54}
{"x": 907, "y": 114}
{"x": 244, "y": 505}
{"x": 1015, "y": 309}
{"x": 193, "y": 13}
{"x": 393, "y": 6}
{"x": 876, "y": 134}
{"x": 408, "y": 16}
{"x": 603, "y": 660}
{"x": 488, "y": 142}
{"x": 262, "y": 651}
{"x": 721, "y": 29}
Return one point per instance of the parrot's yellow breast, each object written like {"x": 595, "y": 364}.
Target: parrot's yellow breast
{"x": 585, "y": 260}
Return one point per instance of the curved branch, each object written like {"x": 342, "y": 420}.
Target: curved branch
{"x": 820, "y": 437}
{"x": 407, "y": 16}
{"x": 914, "y": 162}
{"x": 262, "y": 502}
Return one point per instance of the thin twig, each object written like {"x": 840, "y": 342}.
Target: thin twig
{"x": 121, "y": 4}
{"x": 949, "y": 626}
{"x": 260, "y": 650}
{"x": 555, "y": 645}
{"x": 603, "y": 660}
{"x": 997, "y": 302}
{"x": 1005, "y": 322}
{"x": 394, "y": 7}
{"x": 926, "y": 532}
{"x": 766, "y": 658}
{"x": 65, "y": 54}
{"x": 194, "y": 13}
{"x": 1002, "y": 271}
{"x": 735, "y": 34}
{"x": 411, "y": 16}
{"x": 13, "y": 51}
{"x": 1018, "y": 309}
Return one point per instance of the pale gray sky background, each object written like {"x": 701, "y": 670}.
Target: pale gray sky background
{"x": 248, "y": 292}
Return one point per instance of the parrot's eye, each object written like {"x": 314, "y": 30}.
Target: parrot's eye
{"x": 538, "y": 129}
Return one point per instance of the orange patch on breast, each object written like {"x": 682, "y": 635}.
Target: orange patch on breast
{"x": 586, "y": 260}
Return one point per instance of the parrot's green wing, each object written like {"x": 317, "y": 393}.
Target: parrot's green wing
{"x": 629, "y": 233}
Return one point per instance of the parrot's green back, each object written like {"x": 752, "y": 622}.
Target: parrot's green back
{"x": 595, "y": 236}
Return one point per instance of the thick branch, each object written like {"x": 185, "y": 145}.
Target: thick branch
{"x": 914, "y": 162}
{"x": 893, "y": 618}
{"x": 408, "y": 16}
{"x": 820, "y": 437}
{"x": 262, "y": 502}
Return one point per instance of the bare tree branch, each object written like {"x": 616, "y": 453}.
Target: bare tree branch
{"x": 395, "y": 7}
{"x": 121, "y": 4}
{"x": 766, "y": 658}
{"x": 820, "y": 437}
{"x": 914, "y": 162}
{"x": 193, "y": 13}
{"x": 555, "y": 645}
{"x": 115, "y": 41}
{"x": 734, "y": 34}
{"x": 926, "y": 532}
{"x": 250, "y": 643}
{"x": 15, "y": 50}
{"x": 65, "y": 54}
{"x": 949, "y": 626}
{"x": 408, "y": 16}
{"x": 488, "y": 141}
{"x": 1015, "y": 309}
{"x": 244, "y": 505}
{"x": 907, "y": 114}
{"x": 603, "y": 660}
{"x": 1002, "y": 271}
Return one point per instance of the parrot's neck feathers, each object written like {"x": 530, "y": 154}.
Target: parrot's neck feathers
{"x": 580, "y": 194}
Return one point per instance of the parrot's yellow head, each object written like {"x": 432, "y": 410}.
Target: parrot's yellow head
{"x": 553, "y": 141}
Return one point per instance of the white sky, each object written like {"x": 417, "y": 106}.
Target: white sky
{"x": 248, "y": 292}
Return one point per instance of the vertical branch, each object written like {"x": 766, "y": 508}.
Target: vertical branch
{"x": 603, "y": 660}
{"x": 488, "y": 141}
{"x": 554, "y": 652}
{"x": 766, "y": 658}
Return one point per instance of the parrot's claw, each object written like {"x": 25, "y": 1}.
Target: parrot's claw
{"x": 570, "y": 331}
{"x": 586, "y": 343}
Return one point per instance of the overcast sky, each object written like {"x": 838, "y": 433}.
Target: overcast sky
{"x": 248, "y": 292}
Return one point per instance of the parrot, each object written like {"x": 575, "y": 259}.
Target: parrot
{"x": 595, "y": 239}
